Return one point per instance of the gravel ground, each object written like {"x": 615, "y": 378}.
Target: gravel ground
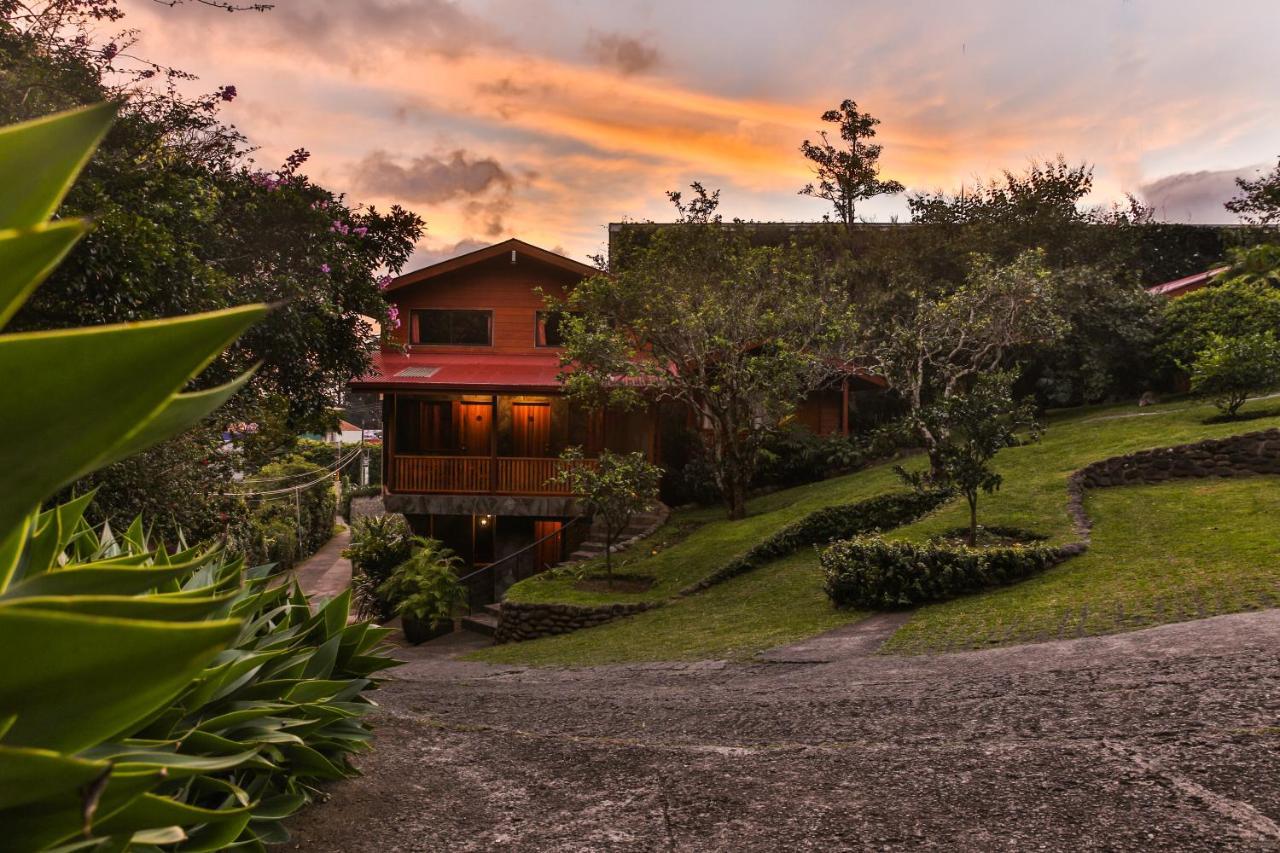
{"x": 1160, "y": 739}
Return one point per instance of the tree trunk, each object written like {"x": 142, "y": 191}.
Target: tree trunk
{"x": 973, "y": 520}
{"x": 735, "y": 500}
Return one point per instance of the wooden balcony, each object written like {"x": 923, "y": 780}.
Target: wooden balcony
{"x": 478, "y": 475}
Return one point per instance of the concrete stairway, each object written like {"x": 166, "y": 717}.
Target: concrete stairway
{"x": 641, "y": 525}
{"x": 484, "y": 621}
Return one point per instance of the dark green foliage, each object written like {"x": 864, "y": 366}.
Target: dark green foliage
{"x": 882, "y": 512}
{"x": 378, "y": 544}
{"x": 877, "y": 574}
{"x": 425, "y": 588}
{"x": 1259, "y": 199}
{"x": 970, "y": 429}
{"x": 612, "y": 488}
{"x": 284, "y": 529}
{"x": 1236, "y": 307}
{"x": 1230, "y": 370}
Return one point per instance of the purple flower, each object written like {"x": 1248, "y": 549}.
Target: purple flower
{"x": 384, "y": 282}
{"x": 324, "y": 268}
{"x": 339, "y": 227}
{"x": 361, "y": 231}
{"x": 393, "y": 317}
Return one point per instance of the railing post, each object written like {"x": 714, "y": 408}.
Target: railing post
{"x": 493, "y": 444}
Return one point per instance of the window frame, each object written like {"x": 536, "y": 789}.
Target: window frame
{"x": 539, "y": 326}
{"x": 415, "y": 319}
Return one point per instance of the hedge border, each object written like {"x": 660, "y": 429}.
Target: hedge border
{"x": 526, "y": 621}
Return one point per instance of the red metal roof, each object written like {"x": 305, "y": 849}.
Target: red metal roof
{"x": 470, "y": 371}
{"x": 1186, "y": 285}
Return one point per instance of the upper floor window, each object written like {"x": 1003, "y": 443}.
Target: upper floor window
{"x": 550, "y": 329}
{"x": 459, "y": 327}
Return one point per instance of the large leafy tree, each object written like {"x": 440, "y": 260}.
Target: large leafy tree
{"x": 187, "y": 220}
{"x": 943, "y": 345}
{"x": 848, "y": 173}
{"x": 696, "y": 312}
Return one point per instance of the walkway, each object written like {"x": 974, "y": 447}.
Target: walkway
{"x": 326, "y": 573}
{"x": 1160, "y": 739}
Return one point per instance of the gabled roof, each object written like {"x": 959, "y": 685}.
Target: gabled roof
{"x": 497, "y": 249}
{"x": 1182, "y": 286}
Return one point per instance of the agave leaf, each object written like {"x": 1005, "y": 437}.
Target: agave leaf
{"x": 28, "y": 256}
{"x": 122, "y": 670}
{"x": 49, "y": 439}
{"x": 29, "y": 775}
{"x": 60, "y": 818}
{"x": 11, "y": 547}
{"x": 180, "y": 412}
{"x": 40, "y": 159}
{"x": 217, "y": 835}
{"x": 152, "y": 607}
{"x": 94, "y": 580}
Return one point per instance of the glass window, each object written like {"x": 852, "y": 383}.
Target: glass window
{"x": 550, "y": 329}
{"x": 453, "y": 326}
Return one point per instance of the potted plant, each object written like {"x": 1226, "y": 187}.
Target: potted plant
{"x": 424, "y": 590}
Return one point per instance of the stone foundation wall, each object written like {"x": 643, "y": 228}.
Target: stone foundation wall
{"x": 1233, "y": 456}
{"x": 521, "y": 621}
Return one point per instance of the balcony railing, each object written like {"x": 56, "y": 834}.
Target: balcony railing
{"x": 479, "y": 475}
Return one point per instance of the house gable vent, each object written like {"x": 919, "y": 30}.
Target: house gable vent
{"x": 418, "y": 372}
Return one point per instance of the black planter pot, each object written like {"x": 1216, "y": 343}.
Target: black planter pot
{"x": 419, "y": 632}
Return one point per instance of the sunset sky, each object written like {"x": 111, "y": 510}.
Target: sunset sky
{"x": 547, "y": 120}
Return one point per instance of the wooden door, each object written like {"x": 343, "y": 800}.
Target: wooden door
{"x": 550, "y": 543}
{"x": 475, "y": 428}
{"x": 531, "y": 427}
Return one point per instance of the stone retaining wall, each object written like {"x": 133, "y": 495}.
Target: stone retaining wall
{"x": 524, "y": 621}
{"x": 1233, "y": 456}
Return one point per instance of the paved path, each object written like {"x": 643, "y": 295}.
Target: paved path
{"x": 326, "y": 573}
{"x": 1164, "y": 739}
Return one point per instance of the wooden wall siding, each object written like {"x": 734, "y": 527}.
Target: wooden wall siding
{"x": 820, "y": 412}
{"x": 510, "y": 291}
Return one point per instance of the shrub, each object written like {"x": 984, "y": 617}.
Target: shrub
{"x": 877, "y": 574}
{"x": 1237, "y": 307}
{"x": 425, "y": 588}
{"x": 1229, "y": 370}
{"x": 882, "y": 512}
{"x": 348, "y": 491}
{"x": 287, "y": 528}
{"x": 378, "y": 545}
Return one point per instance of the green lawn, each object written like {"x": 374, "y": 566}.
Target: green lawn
{"x": 712, "y": 543}
{"x": 1209, "y": 554}
{"x": 1166, "y": 553}
{"x": 774, "y": 605}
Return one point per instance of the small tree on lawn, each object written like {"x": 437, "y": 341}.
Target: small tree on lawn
{"x": 616, "y": 488}
{"x": 1229, "y": 370}
{"x": 977, "y": 425}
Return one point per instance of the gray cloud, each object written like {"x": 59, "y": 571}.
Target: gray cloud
{"x": 342, "y": 28}
{"x": 432, "y": 178}
{"x": 1194, "y": 196}
{"x": 426, "y": 257}
{"x": 625, "y": 53}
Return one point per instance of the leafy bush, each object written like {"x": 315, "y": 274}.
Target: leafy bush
{"x": 347, "y": 491}
{"x": 150, "y": 697}
{"x": 1229, "y": 370}
{"x": 882, "y": 512}
{"x": 1237, "y": 307}
{"x": 285, "y": 529}
{"x": 425, "y": 588}
{"x": 877, "y": 574}
{"x": 378, "y": 544}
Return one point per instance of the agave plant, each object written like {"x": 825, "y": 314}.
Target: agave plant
{"x": 150, "y": 697}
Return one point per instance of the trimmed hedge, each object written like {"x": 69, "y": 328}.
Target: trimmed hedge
{"x": 882, "y": 512}
{"x": 873, "y": 573}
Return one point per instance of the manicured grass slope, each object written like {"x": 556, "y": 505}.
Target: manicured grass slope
{"x": 777, "y": 604}
{"x": 712, "y": 543}
{"x": 783, "y": 601}
{"x": 1166, "y": 553}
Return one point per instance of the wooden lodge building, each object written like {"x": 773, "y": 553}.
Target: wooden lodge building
{"x": 473, "y": 414}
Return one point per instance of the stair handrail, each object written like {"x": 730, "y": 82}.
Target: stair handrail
{"x": 512, "y": 558}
